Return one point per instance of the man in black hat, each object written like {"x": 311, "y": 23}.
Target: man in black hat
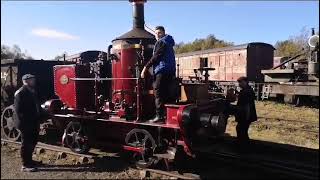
{"x": 245, "y": 110}
{"x": 28, "y": 114}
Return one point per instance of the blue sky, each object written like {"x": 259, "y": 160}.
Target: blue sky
{"x": 48, "y": 28}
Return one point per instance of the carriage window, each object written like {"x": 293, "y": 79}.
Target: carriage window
{"x": 203, "y": 62}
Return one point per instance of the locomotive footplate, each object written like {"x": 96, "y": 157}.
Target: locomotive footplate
{"x": 120, "y": 120}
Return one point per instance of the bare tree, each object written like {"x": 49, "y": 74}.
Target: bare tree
{"x": 13, "y": 53}
{"x": 294, "y": 45}
{"x": 61, "y": 56}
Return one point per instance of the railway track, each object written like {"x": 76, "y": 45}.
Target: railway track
{"x": 62, "y": 151}
{"x": 176, "y": 175}
{"x": 144, "y": 173}
{"x": 288, "y": 168}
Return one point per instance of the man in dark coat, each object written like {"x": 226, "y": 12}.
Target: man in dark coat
{"x": 28, "y": 114}
{"x": 245, "y": 110}
{"x": 164, "y": 70}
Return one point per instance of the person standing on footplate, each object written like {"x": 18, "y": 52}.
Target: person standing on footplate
{"x": 164, "y": 70}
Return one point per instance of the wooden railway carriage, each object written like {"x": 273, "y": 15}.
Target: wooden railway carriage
{"x": 292, "y": 80}
{"x": 229, "y": 63}
{"x": 221, "y": 67}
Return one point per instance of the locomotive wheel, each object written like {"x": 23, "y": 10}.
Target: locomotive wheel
{"x": 7, "y": 124}
{"x": 76, "y": 138}
{"x": 143, "y": 139}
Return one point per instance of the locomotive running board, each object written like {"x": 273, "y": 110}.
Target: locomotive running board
{"x": 119, "y": 120}
{"x": 131, "y": 148}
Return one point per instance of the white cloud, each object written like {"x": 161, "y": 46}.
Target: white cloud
{"x": 51, "y": 33}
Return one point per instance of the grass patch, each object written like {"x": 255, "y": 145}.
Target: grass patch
{"x": 284, "y": 124}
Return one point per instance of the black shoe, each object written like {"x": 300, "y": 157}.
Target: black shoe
{"x": 28, "y": 169}
{"x": 157, "y": 119}
{"x": 36, "y": 163}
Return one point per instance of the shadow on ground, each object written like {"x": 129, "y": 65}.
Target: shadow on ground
{"x": 101, "y": 164}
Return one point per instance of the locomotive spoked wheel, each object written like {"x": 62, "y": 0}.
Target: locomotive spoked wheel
{"x": 142, "y": 139}
{"x": 76, "y": 138}
{"x": 7, "y": 124}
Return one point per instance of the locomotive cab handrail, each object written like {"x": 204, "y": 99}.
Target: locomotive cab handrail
{"x": 101, "y": 79}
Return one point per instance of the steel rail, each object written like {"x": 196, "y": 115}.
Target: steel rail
{"x": 298, "y": 170}
{"x": 170, "y": 174}
{"x": 51, "y": 147}
{"x": 66, "y": 150}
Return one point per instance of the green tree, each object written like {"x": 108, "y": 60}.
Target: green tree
{"x": 287, "y": 48}
{"x": 201, "y": 44}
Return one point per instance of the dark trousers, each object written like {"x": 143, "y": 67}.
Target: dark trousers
{"x": 242, "y": 124}
{"x": 29, "y": 139}
{"x": 242, "y": 131}
{"x": 162, "y": 87}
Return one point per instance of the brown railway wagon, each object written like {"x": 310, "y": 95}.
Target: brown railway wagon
{"x": 84, "y": 57}
{"x": 13, "y": 69}
{"x": 230, "y": 62}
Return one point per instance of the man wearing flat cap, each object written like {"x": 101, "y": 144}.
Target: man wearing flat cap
{"x": 28, "y": 114}
{"x": 245, "y": 111}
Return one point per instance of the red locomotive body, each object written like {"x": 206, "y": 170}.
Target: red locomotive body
{"x": 75, "y": 94}
{"x": 106, "y": 101}
{"x": 124, "y": 89}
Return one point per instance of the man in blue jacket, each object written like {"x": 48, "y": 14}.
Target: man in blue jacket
{"x": 164, "y": 69}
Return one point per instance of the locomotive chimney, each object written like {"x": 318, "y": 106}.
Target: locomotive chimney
{"x": 312, "y": 32}
{"x": 138, "y": 13}
{"x": 137, "y": 33}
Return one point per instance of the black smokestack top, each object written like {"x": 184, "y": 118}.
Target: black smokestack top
{"x": 138, "y": 32}
{"x": 138, "y": 13}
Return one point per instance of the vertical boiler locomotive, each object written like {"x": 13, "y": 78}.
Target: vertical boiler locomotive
{"x": 103, "y": 100}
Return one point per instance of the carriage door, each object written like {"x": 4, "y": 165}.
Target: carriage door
{"x": 203, "y": 62}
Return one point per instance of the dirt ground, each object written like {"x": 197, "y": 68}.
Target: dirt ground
{"x": 277, "y": 123}
{"x": 109, "y": 167}
{"x": 112, "y": 167}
